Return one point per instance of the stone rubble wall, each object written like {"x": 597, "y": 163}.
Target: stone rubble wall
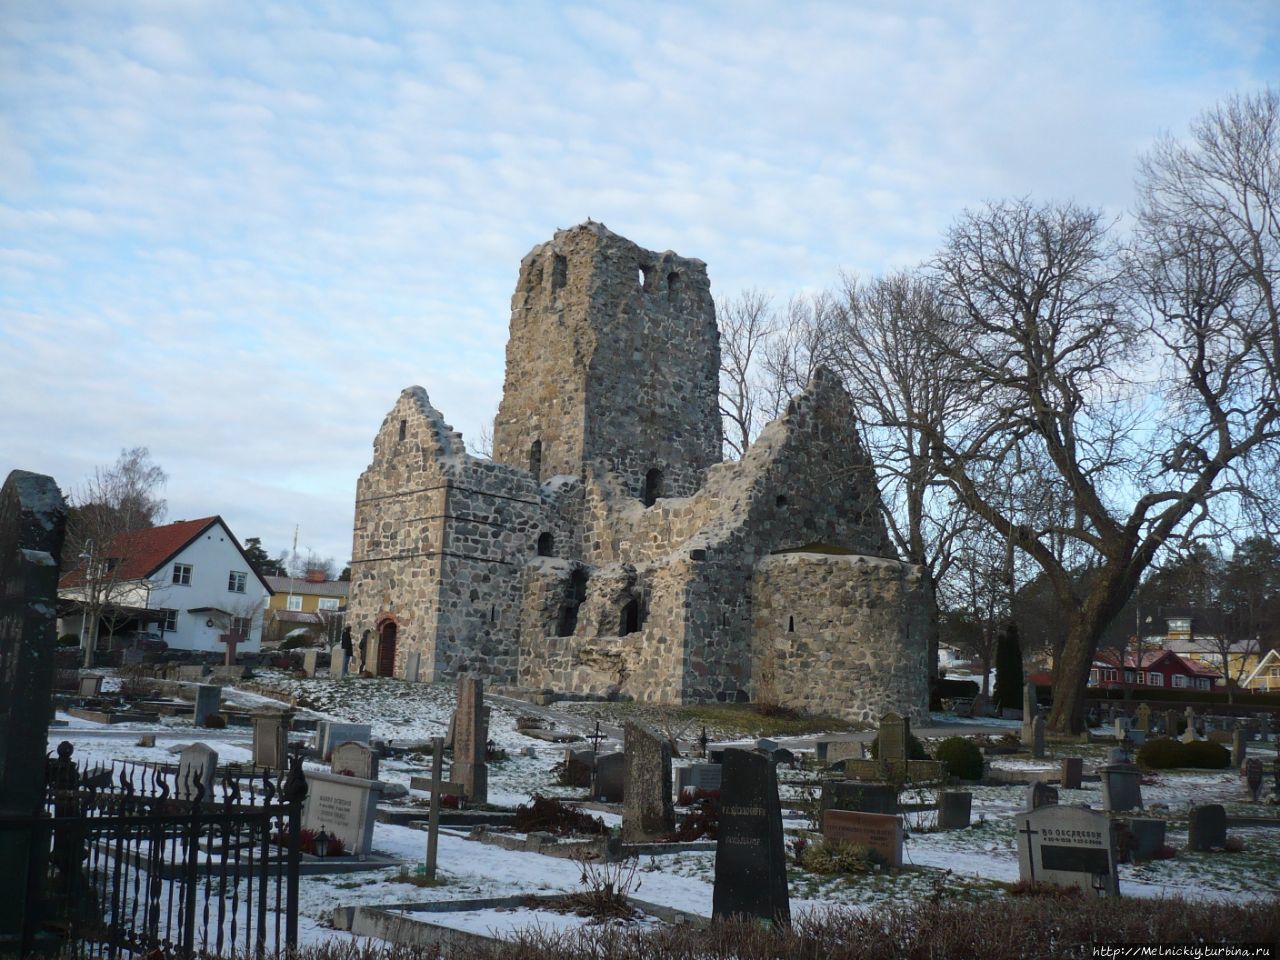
{"x": 842, "y": 635}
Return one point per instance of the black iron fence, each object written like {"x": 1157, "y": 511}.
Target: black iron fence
{"x": 131, "y": 860}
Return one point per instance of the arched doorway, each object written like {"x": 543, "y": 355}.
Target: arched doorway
{"x": 387, "y": 649}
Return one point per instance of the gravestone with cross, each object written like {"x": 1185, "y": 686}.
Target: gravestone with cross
{"x": 1189, "y": 735}
{"x": 1067, "y": 847}
{"x": 1142, "y": 719}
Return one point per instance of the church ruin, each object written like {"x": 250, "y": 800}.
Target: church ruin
{"x": 606, "y": 549}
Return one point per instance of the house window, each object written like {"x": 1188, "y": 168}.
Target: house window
{"x": 1202, "y": 683}
{"x": 241, "y": 626}
{"x": 236, "y": 581}
{"x": 182, "y": 574}
{"x": 1179, "y": 680}
{"x": 170, "y": 621}
{"x": 1093, "y": 675}
{"x": 1155, "y": 679}
{"x": 295, "y": 603}
{"x": 326, "y": 603}
{"x": 1180, "y": 626}
{"x": 1142, "y": 677}
{"x": 1128, "y": 676}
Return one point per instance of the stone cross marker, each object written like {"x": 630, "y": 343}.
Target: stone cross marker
{"x": 1142, "y": 718}
{"x": 751, "y": 861}
{"x": 469, "y": 741}
{"x": 1189, "y": 735}
{"x": 32, "y": 519}
{"x": 208, "y": 702}
{"x": 1067, "y": 847}
{"x": 271, "y": 741}
{"x": 1037, "y": 736}
{"x": 895, "y": 738}
{"x": 354, "y": 760}
{"x": 198, "y": 760}
{"x": 647, "y": 812}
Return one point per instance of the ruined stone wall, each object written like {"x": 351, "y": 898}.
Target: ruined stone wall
{"x": 842, "y": 635}
{"x": 613, "y": 358}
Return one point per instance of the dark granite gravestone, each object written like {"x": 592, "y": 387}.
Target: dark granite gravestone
{"x": 1040, "y": 795}
{"x": 1145, "y": 837}
{"x": 954, "y": 809}
{"x": 1072, "y": 772}
{"x": 1207, "y": 827}
{"x": 1121, "y": 787}
{"x": 647, "y": 809}
{"x": 853, "y": 795}
{"x": 32, "y": 520}
{"x": 469, "y": 739}
{"x": 579, "y": 768}
{"x": 698, "y": 776}
{"x": 751, "y": 861}
{"x": 208, "y": 702}
{"x": 1171, "y": 724}
{"x": 1037, "y": 736}
{"x": 611, "y": 772}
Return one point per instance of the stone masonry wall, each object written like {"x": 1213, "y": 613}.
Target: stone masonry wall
{"x": 842, "y": 635}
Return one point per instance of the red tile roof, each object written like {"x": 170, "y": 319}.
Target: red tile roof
{"x": 142, "y": 552}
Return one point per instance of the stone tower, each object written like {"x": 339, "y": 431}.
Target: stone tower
{"x": 613, "y": 360}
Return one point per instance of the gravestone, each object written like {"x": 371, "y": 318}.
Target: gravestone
{"x": 208, "y": 702}
{"x": 1029, "y": 710}
{"x": 1189, "y": 735}
{"x": 879, "y": 832}
{"x": 1040, "y": 795}
{"x": 578, "y": 768}
{"x": 647, "y": 812}
{"x": 332, "y": 733}
{"x": 1137, "y": 737}
{"x": 864, "y": 797}
{"x": 897, "y": 771}
{"x": 611, "y": 772}
{"x": 1072, "y": 772}
{"x": 954, "y": 809}
{"x": 310, "y": 661}
{"x": 344, "y": 807}
{"x": 1171, "y": 724}
{"x": 1221, "y": 737}
{"x": 1067, "y": 847}
{"x": 1037, "y": 737}
{"x": 1237, "y": 748}
{"x": 354, "y": 760}
{"x": 32, "y": 520}
{"x": 751, "y": 861}
{"x": 469, "y": 737}
{"x": 1121, "y": 787}
{"x": 894, "y": 739}
{"x": 337, "y": 662}
{"x": 90, "y": 685}
{"x": 1118, "y": 755}
{"x": 412, "y": 664}
{"x": 270, "y": 741}
{"x": 1145, "y": 837}
{"x": 698, "y": 776}
{"x": 833, "y": 751}
{"x": 196, "y": 761}
{"x": 1207, "y": 827}
{"x": 1253, "y": 777}
{"x": 1122, "y": 728}
{"x": 1142, "y": 719}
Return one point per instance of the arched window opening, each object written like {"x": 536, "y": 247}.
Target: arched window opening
{"x": 575, "y": 596}
{"x": 546, "y": 545}
{"x": 780, "y": 500}
{"x": 404, "y": 424}
{"x": 629, "y": 621}
{"x": 559, "y": 272}
{"x": 535, "y": 460}
{"x": 643, "y": 278}
{"x": 652, "y": 487}
{"x": 791, "y": 624}
{"x": 673, "y": 285}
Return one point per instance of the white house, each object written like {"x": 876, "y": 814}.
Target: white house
{"x": 188, "y": 583}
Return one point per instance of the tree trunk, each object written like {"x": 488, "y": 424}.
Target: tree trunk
{"x": 1084, "y": 630}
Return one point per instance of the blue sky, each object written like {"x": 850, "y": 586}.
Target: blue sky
{"x": 232, "y": 232}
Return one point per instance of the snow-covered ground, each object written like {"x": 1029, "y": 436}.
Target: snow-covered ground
{"x": 969, "y": 863}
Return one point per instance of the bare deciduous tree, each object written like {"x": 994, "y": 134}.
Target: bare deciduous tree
{"x": 747, "y": 322}
{"x": 1146, "y": 380}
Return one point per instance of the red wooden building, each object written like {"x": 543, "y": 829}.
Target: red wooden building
{"x": 1156, "y": 669}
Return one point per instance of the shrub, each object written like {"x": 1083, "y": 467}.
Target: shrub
{"x": 1161, "y": 754}
{"x": 962, "y": 757}
{"x": 949, "y": 688}
{"x": 1165, "y": 754}
{"x": 1206, "y": 755}
{"x": 915, "y": 749}
{"x": 837, "y": 856}
{"x": 547, "y": 814}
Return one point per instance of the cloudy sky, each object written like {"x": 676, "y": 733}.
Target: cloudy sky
{"x": 233, "y": 231}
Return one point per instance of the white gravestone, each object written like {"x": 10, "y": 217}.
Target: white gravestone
{"x": 337, "y": 666}
{"x": 344, "y": 807}
{"x": 198, "y": 760}
{"x": 1067, "y": 847}
{"x": 332, "y": 734}
{"x": 354, "y": 760}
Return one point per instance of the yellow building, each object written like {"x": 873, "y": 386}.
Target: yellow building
{"x": 1265, "y": 677}
{"x": 305, "y": 605}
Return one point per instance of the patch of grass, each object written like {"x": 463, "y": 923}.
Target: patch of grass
{"x": 417, "y": 877}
